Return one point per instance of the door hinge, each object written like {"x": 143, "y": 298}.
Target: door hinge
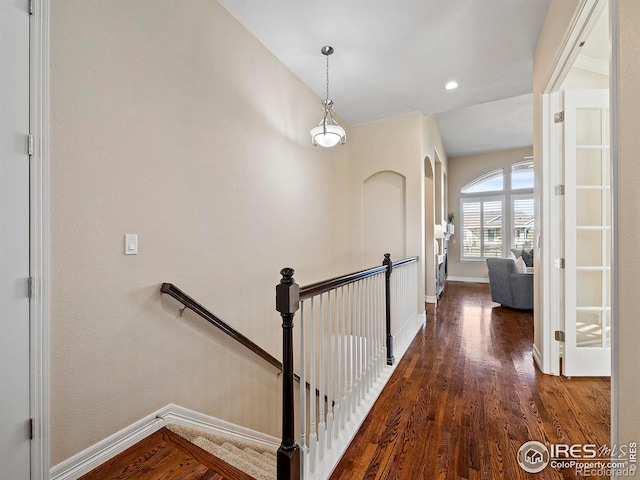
{"x": 30, "y": 7}
{"x": 31, "y": 287}
{"x": 558, "y": 189}
{"x": 30, "y": 145}
{"x": 559, "y": 336}
{"x": 558, "y": 117}
{"x": 559, "y": 263}
{"x": 31, "y": 429}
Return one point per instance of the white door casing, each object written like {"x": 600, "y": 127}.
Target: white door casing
{"x": 587, "y": 219}
{"x": 15, "y": 444}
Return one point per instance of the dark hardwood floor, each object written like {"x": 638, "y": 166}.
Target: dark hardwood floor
{"x": 165, "y": 455}
{"x": 467, "y": 395}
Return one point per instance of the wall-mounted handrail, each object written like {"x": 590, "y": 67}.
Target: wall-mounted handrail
{"x": 191, "y": 304}
{"x": 196, "y": 307}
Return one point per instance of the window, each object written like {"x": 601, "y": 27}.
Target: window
{"x": 489, "y": 182}
{"x": 497, "y": 211}
{"x": 522, "y": 221}
{"x": 522, "y": 175}
{"x": 482, "y": 228}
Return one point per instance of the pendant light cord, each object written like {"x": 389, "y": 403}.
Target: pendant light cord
{"x": 327, "y": 79}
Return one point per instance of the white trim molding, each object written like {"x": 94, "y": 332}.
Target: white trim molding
{"x": 97, "y": 454}
{"x": 430, "y": 299}
{"x": 592, "y": 65}
{"x": 39, "y": 248}
{"x": 537, "y": 356}
{"x": 468, "y": 279}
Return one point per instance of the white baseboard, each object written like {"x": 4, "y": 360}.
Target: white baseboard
{"x": 468, "y": 279}
{"x": 431, "y": 299}
{"x": 537, "y": 357}
{"x": 102, "y": 451}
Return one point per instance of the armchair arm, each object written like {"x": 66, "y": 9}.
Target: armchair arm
{"x": 521, "y": 290}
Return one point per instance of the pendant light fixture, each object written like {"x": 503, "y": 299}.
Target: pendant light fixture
{"x": 328, "y": 132}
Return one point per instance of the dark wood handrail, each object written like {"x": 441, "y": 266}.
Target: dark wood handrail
{"x": 317, "y": 288}
{"x": 191, "y": 304}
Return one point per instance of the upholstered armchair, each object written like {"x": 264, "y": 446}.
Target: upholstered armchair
{"x": 508, "y": 287}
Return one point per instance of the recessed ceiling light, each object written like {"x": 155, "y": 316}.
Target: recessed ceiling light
{"x": 451, "y": 85}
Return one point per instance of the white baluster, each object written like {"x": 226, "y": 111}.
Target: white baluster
{"x": 358, "y": 337}
{"x": 303, "y": 384}
{"x": 313, "y": 436}
{"x": 322, "y": 426}
{"x": 349, "y": 353}
{"x": 363, "y": 346}
{"x": 373, "y": 332}
{"x": 330, "y": 375}
{"x": 383, "y": 324}
{"x": 369, "y": 336}
{"x": 380, "y": 324}
{"x": 342, "y": 390}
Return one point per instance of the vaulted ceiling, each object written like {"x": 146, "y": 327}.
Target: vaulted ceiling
{"x": 395, "y": 56}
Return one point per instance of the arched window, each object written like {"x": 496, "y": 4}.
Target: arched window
{"x": 497, "y": 211}
{"x": 489, "y": 182}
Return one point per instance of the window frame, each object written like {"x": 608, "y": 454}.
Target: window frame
{"x": 508, "y": 195}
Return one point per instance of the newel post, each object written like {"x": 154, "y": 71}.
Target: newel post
{"x": 287, "y": 303}
{"x": 387, "y": 287}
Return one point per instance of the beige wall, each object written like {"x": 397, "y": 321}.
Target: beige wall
{"x": 391, "y": 145}
{"x": 171, "y": 121}
{"x": 462, "y": 170}
{"x": 628, "y": 231}
{"x": 581, "y": 78}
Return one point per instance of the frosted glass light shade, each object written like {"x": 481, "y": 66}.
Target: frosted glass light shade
{"x": 327, "y": 136}
{"x": 438, "y": 231}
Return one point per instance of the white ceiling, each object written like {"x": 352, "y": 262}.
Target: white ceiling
{"x": 395, "y": 56}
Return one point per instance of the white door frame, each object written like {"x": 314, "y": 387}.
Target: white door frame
{"x": 551, "y": 103}
{"x": 39, "y": 244}
{"x": 549, "y": 360}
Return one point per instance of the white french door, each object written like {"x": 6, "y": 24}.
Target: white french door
{"x": 15, "y": 444}
{"x": 587, "y": 219}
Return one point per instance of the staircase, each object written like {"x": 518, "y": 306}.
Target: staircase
{"x": 255, "y": 460}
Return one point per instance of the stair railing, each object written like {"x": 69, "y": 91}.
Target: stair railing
{"x": 347, "y": 329}
{"x": 188, "y": 302}
{"x": 191, "y": 304}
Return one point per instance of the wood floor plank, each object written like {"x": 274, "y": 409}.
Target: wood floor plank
{"x": 164, "y": 455}
{"x": 470, "y": 396}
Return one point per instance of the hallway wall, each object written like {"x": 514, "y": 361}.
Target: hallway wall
{"x": 628, "y": 202}
{"x": 171, "y": 121}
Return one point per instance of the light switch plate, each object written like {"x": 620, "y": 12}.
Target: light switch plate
{"x": 130, "y": 244}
